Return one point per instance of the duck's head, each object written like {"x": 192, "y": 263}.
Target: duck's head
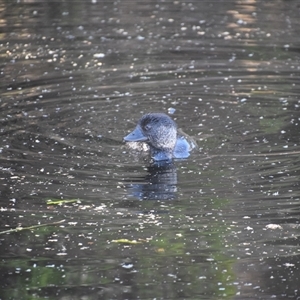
{"x": 159, "y": 131}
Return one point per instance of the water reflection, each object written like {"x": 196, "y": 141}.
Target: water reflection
{"x": 159, "y": 184}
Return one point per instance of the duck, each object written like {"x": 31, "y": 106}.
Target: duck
{"x": 158, "y": 134}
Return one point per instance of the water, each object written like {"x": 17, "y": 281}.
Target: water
{"x": 76, "y": 76}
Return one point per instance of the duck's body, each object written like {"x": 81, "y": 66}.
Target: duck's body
{"x": 158, "y": 134}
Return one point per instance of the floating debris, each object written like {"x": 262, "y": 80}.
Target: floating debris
{"x": 61, "y": 202}
{"x": 126, "y": 241}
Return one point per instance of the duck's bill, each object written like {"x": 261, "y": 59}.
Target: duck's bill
{"x": 136, "y": 136}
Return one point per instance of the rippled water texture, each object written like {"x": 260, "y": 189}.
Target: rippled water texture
{"x": 84, "y": 218}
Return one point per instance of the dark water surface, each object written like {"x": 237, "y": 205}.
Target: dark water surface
{"x": 75, "y": 78}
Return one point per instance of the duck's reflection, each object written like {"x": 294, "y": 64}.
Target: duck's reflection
{"x": 159, "y": 184}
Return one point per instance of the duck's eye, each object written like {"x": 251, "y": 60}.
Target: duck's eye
{"x": 147, "y": 127}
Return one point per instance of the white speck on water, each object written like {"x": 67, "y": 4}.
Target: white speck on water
{"x": 99, "y": 55}
{"x": 273, "y": 226}
{"x": 240, "y": 22}
{"x": 289, "y": 265}
{"x": 171, "y": 110}
{"x": 127, "y": 266}
{"x": 232, "y": 59}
